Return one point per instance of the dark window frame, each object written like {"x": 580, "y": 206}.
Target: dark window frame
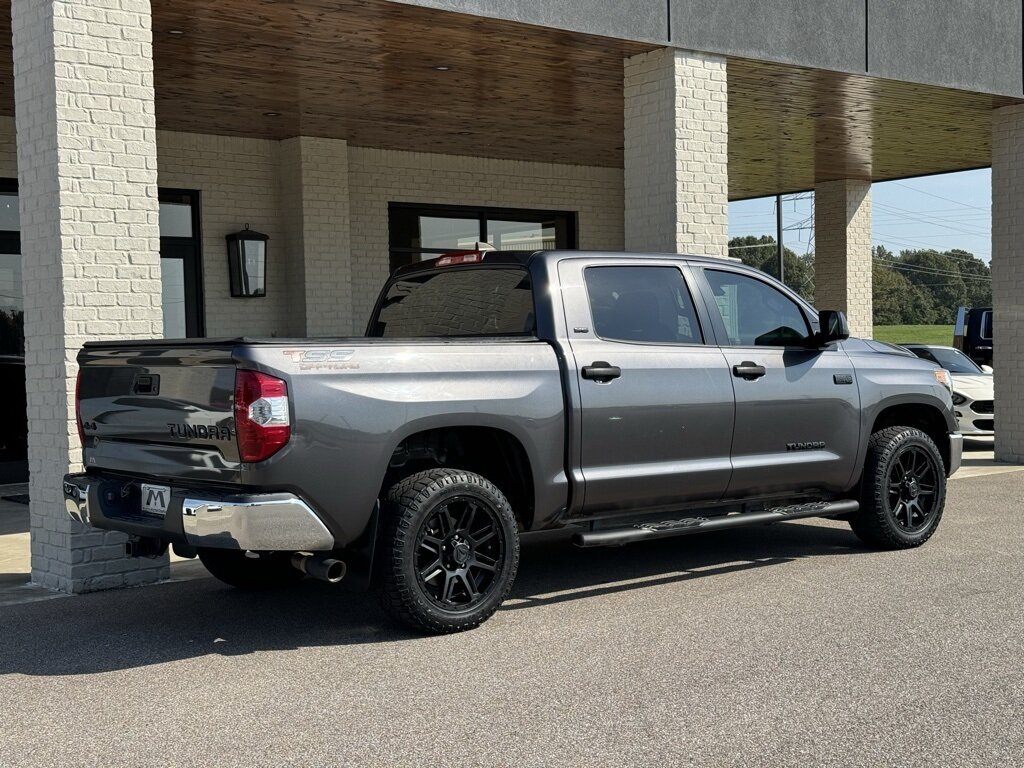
{"x": 190, "y": 251}
{"x": 400, "y": 213}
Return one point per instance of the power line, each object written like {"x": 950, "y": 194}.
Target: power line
{"x": 938, "y": 197}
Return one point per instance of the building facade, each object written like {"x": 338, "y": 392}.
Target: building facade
{"x": 363, "y": 134}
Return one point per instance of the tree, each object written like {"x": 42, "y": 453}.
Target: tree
{"x": 925, "y": 287}
{"x": 762, "y": 253}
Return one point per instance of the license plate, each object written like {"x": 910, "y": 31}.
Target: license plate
{"x": 155, "y": 499}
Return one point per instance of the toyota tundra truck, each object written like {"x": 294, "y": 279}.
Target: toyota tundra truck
{"x": 624, "y": 397}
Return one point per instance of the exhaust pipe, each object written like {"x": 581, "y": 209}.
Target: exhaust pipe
{"x": 320, "y": 567}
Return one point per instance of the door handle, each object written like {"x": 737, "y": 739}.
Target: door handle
{"x": 600, "y": 371}
{"x": 748, "y": 370}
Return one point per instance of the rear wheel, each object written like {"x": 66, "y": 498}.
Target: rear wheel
{"x": 451, "y": 550}
{"x": 234, "y": 567}
{"x": 903, "y": 491}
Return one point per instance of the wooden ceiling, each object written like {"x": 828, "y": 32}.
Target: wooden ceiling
{"x": 365, "y": 70}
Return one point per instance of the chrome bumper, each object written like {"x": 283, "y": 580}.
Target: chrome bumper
{"x": 278, "y": 521}
{"x": 283, "y": 522}
{"x": 956, "y": 451}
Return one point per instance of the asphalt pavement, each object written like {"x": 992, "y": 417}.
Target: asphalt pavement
{"x": 783, "y": 645}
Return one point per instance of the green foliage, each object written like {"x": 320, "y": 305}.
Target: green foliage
{"x": 925, "y": 287}
{"x": 762, "y": 253}
{"x": 915, "y": 334}
{"x": 914, "y": 288}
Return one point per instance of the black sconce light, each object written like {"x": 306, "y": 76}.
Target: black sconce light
{"x": 247, "y": 263}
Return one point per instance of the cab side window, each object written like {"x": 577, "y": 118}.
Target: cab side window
{"x": 642, "y": 304}
{"x": 754, "y": 313}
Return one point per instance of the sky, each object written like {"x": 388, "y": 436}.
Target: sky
{"x": 943, "y": 212}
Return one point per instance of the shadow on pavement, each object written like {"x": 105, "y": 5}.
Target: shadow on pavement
{"x": 177, "y": 620}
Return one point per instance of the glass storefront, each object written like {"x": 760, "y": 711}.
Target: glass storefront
{"x": 420, "y": 232}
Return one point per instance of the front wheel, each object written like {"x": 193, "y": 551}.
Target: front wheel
{"x": 903, "y": 490}
{"x": 451, "y": 550}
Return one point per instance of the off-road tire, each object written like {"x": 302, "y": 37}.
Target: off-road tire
{"x": 880, "y": 521}
{"x": 411, "y": 507}
{"x": 269, "y": 571}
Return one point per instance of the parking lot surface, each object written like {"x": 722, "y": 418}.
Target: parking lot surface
{"x": 784, "y": 645}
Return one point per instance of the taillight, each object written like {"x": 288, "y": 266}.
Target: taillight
{"x": 78, "y": 408}
{"x": 262, "y": 421}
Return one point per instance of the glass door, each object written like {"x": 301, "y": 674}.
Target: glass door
{"x": 181, "y": 264}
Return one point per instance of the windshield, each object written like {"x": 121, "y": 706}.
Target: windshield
{"x": 487, "y": 301}
{"x": 953, "y": 360}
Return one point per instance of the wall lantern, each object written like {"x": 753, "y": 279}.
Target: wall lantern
{"x": 247, "y": 263}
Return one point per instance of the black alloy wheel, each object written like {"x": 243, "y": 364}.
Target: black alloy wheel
{"x": 913, "y": 477}
{"x": 902, "y": 490}
{"x": 459, "y": 551}
{"x": 449, "y": 550}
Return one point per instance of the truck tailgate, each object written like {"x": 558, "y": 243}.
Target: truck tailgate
{"x": 163, "y": 410}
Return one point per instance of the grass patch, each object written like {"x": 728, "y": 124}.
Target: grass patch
{"x": 915, "y": 334}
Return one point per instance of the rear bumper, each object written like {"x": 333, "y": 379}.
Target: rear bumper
{"x": 956, "y": 452}
{"x": 261, "y": 522}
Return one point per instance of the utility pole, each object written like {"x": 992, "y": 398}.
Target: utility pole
{"x": 778, "y": 238}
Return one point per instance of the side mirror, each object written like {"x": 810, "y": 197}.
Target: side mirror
{"x": 832, "y": 326}
{"x": 987, "y": 369}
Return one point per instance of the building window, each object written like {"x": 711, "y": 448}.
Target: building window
{"x": 420, "y": 232}
{"x": 12, "y": 314}
{"x": 181, "y": 264}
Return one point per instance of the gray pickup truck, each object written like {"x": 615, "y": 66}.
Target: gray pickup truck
{"x": 625, "y": 397}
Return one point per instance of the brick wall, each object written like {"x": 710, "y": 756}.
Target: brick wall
{"x": 86, "y": 159}
{"x": 315, "y": 204}
{"x": 676, "y": 143}
{"x": 238, "y": 179}
{"x": 1008, "y": 280}
{"x": 377, "y": 177}
{"x": 842, "y": 258}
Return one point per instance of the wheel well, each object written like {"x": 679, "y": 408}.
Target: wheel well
{"x": 489, "y": 452}
{"x": 926, "y": 418}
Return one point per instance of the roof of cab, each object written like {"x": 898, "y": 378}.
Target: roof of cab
{"x": 522, "y": 258}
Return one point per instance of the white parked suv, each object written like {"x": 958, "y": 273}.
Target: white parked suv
{"x": 973, "y": 393}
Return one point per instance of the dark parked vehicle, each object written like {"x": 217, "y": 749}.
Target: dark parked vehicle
{"x": 972, "y": 333}
{"x": 629, "y": 397}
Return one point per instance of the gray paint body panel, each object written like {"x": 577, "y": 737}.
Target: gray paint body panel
{"x": 826, "y": 34}
{"x": 971, "y": 45}
{"x": 349, "y": 413}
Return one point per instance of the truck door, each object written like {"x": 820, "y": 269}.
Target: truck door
{"x": 797, "y": 408}
{"x": 655, "y": 411}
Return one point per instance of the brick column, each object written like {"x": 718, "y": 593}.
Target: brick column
{"x": 1008, "y": 280}
{"x": 842, "y": 251}
{"x": 83, "y": 78}
{"x": 676, "y": 160}
{"x": 315, "y": 201}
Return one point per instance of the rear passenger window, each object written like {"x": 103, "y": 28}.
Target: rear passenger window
{"x": 642, "y": 304}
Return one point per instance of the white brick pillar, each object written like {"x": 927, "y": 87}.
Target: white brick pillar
{"x": 676, "y": 139}
{"x": 83, "y": 81}
{"x": 314, "y": 191}
{"x": 842, "y": 251}
{"x": 1008, "y": 280}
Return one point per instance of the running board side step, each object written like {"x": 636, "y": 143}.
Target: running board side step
{"x": 688, "y": 525}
